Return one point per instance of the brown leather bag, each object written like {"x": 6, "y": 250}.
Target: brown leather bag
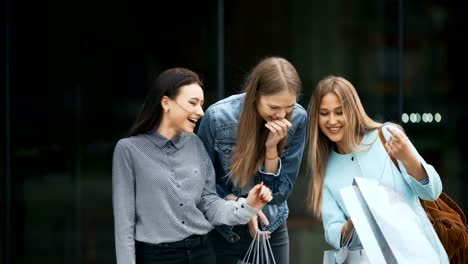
{"x": 448, "y": 220}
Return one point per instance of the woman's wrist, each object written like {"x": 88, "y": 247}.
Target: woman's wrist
{"x": 271, "y": 153}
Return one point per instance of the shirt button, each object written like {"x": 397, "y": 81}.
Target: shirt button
{"x": 183, "y": 222}
{"x": 181, "y": 204}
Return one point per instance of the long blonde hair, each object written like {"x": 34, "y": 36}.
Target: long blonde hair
{"x": 357, "y": 123}
{"x": 271, "y": 76}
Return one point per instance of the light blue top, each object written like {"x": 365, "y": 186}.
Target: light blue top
{"x": 342, "y": 168}
{"x": 218, "y": 131}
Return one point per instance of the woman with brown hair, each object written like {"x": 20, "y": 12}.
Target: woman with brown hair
{"x": 344, "y": 143}
{"x": 163, "y": 183}
{"x": 257, "y": 136}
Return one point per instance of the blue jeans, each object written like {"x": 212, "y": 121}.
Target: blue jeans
{"x": 230, "y": 253}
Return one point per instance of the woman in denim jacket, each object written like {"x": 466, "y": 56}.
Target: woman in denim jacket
{"x": 257, "y": 136}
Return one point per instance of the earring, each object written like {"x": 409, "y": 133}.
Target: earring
{"x": 166, "y": 109}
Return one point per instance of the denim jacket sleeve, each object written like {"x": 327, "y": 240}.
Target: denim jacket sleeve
{"x": 207, "y": 135}
{"x": 289, "y": 163}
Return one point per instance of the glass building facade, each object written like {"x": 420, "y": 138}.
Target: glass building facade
{"x": 75, "y": 74}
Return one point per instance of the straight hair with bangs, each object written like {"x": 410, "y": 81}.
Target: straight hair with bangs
{"x": 357, "y": 123}
{"x": 270, "y": 76}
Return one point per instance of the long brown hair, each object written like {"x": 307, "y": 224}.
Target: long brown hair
{"x": 357, "y": 123}
{"x": 167, "y": 84}
{"x": 270, "y": 76}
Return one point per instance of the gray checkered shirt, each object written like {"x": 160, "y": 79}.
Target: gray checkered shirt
{"x": 164, "y": 191}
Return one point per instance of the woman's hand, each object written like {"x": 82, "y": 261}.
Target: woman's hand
{"x": 399, "y": 147}
{"x": 253, "y": 223}
{"x": 278, "y": 131}
{"x": 346, "y": 230}
{"x": 259, "y": 195}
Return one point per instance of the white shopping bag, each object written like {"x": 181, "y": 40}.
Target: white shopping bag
{"x": 259, "y": 251}
{"x": 388, "y": 228}
{"x": 352, "y": 257}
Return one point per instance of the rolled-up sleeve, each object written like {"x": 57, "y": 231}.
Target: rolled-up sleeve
{"x": 430, "y": 191}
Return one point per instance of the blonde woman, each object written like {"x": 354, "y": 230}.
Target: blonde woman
{"x": 344, "y": 143}
{"x": 257, "y": 136}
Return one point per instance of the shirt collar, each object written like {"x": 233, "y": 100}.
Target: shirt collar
{"x": 161, "y": 141}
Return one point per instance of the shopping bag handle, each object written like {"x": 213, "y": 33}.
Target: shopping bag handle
{"x": 382, "y": 138}
{"x": 384, "y": 141}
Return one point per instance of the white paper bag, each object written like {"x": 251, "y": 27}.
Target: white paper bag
{"x": 388, "y": 228}
{"x": 353, "y": 257}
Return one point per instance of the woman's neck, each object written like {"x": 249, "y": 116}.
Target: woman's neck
{"x": 166, "y": 131}
{"x": 344, "y": 148}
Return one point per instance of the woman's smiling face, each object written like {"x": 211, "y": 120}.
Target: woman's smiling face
{"x": 331, "y": 118}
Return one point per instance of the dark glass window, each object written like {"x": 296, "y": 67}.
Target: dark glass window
{"x": 76, "y": 73}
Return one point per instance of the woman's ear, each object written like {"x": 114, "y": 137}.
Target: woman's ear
{"x": 165, "y": 103}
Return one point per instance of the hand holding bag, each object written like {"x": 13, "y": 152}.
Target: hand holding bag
{"x": 346, "y": 254}
{"x": 259, "y": 251}
{"x": 353, "y": 256}
{"x": 389, "y": 229}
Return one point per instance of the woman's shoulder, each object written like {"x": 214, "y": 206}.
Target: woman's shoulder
{"x": 130, "y": 141}
{"x": 192, "y": 138}
{"x": 226, "y": 111}
{"x": 228, "y": 102}
{"x": 299, "y": 114}
{"x": 299, "y": 108}
{"x": 127, "y": 145}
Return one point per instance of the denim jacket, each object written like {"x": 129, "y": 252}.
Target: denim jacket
{"x": 218, "y": 131}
